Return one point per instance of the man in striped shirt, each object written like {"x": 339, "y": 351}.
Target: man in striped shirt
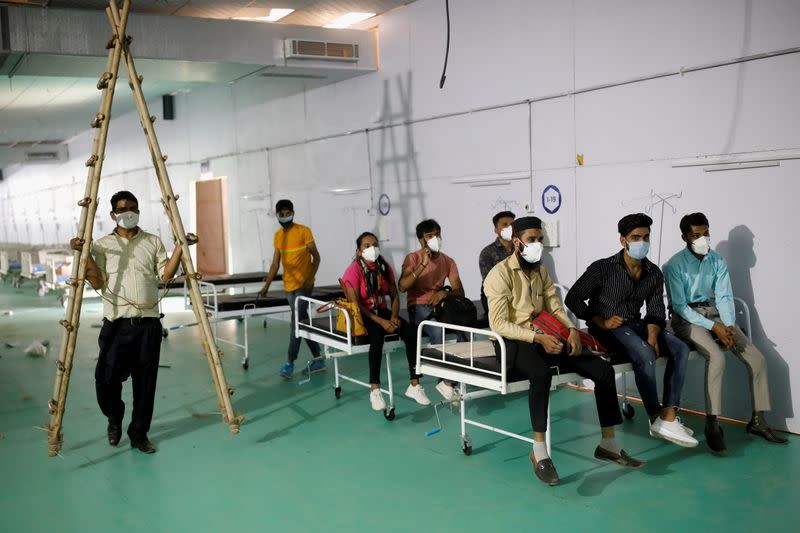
{"x": 616, "y": 288}
{"x": 128, "y": 265}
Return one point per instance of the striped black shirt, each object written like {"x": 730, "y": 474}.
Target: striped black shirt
{"x": 610, "y": 290}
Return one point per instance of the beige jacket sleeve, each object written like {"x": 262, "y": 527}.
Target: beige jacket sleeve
{"x": 552, "y": 302}
{"x": 498, "y": 290}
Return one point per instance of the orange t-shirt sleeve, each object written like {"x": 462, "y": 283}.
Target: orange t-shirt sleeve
{"x": 308, "y": 237}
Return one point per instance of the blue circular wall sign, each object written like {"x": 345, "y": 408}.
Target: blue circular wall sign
{"x": 551, "y": 199}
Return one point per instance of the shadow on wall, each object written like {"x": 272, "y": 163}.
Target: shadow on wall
{"x": 739, "y": 253}
{"x": 397, "y": 161}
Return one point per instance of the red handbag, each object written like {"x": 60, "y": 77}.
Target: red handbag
{"x": 547, "y": 323}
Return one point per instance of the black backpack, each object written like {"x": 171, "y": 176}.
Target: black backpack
{"x": 456, "y": 310}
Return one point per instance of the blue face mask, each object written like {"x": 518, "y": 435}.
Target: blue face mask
{"x": 638, "y": 250}
{"x": 285, "y": 220}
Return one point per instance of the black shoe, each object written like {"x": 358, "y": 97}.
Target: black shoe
{"x": 621, "y": 458}
{"x": 143, "y": 445}
{"x": 715, "y": 438}
{"x": 545, "y": 470}
{"x": 114, "y": 433}
{"x": 765, "y": 433}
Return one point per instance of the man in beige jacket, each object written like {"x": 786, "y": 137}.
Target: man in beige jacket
{"x": 518, "y": 289}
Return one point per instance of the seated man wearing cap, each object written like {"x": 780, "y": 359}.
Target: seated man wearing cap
{"x": 518, "y": 289}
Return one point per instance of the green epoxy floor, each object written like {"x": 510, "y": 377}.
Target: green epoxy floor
{"x": 307, "y": 462}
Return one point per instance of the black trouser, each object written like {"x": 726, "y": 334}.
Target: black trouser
{"x": 128, "y": 347}
{"x": 530, "y": 361}
{"x": 376, "y": 339}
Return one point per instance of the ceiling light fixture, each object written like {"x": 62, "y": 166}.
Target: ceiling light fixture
{"x": 348, "y": 20}
{"x": 275, "y": 14}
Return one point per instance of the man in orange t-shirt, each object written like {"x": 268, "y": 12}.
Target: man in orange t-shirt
{"x": 296, "y": 251}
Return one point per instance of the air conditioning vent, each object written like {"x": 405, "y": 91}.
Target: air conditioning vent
{"x": 301, "y": 49}
{"x": 41, "y": 156}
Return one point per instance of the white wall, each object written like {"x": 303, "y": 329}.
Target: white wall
{"x": 629, "y": 135}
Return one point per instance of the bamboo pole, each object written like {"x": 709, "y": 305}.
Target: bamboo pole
{"x": 213, "y": 354}
{"x": 71, "y": 323}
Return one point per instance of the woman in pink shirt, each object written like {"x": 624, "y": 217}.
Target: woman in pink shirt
{"x": 368, "y": 280}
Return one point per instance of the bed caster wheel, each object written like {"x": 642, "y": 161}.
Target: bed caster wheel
{"x": 466, "y": 446}
{"x": 245, "y": 364}
{"x": 165, "y": 333}
{"x": 337, "y": 391}
{"x": 389, "y": 415}
{"x": 627, "y": 410}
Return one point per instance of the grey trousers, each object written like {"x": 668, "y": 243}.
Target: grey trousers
{"x": 707, "y": 346}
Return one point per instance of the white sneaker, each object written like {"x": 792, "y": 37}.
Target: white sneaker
{"x": 447, "y": 391}
{"x": 689, "y": 431}
{"x": 417, "y": 393}
{"x": 673, "y": 432}
{"x": 376, "y": 399}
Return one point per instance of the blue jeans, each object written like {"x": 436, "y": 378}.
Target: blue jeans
{"x": 419, "y": 312}
{"x": 294, "y": 341}
{"x": 631, "y": 340}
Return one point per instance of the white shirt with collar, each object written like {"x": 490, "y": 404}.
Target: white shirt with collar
{"x": 132, "y": 270}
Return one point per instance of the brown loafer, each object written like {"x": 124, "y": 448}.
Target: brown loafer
{"x": 143, "y": 445}
{"x": 621, "y": 458}
{"x": 545, "y": 470}
{"x": 114, "y": 433}
{"x": 765, "y": 433}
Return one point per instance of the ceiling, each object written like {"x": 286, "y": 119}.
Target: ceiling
{"x": 51, "y": 98}
{"x": 307, "y": 12}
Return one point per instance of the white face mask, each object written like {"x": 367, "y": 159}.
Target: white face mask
{"x": 506, "y": 232}
{"x": 435, "y": 244}
{"x": 702, "y": 245}
{"x": 127, "y": 220}
{"x": 371, "y": 254}
{"x": 532, "y": 252}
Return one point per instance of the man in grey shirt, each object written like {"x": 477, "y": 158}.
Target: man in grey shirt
{"x": 127, "y": 266}
{"x": 498, "y": 250}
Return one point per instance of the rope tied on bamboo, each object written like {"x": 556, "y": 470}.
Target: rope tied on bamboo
{"x": 98, "y": 120}
{"x": 102, "y": 83}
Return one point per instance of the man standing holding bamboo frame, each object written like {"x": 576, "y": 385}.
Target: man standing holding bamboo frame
{"x": 127, "y": 266}
{"x": 119, "y": 52}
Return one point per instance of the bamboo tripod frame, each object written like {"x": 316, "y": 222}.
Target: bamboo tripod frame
{"x": 119, "y": 51}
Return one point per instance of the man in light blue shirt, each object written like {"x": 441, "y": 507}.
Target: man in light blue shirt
{"x": 701, "y": 299}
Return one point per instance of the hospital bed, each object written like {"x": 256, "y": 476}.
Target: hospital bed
{"x": 30, "y": 269}
{"x": 226, "y": 283}
{"x": 321, "y": 328}
{"x": 54, "y": 281}
{"x": 480, "y": 373}
{"x": 220, "y": 306}
{"x": 8, "y": 268}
